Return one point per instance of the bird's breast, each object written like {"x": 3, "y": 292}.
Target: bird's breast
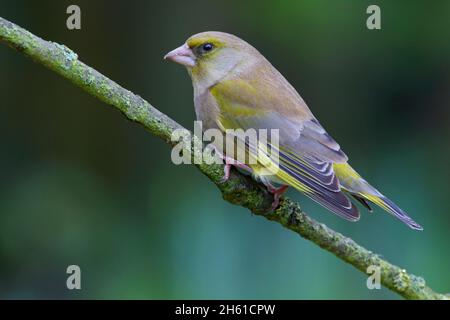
{"x": 206, "y": 109}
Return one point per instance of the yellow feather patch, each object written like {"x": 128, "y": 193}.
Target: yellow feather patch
{"x": 347, "y": 176}
{"x": 197, "y": 41}
{"x": 344, "y": 170}
{"x": 235, "y": 108}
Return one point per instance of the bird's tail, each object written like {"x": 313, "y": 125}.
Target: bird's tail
{"x": 353, "y": 183}
{"x": 393, "y": 209}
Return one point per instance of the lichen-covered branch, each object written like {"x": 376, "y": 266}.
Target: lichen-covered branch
{"x": 239, "y": 189}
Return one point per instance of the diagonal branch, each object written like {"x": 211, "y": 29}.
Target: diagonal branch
{"x": 239, "y": 189}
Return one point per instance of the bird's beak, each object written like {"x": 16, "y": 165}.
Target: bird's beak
{"x": 182, "y": 55}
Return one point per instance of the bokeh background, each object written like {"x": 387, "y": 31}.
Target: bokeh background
{"x": 81, "y": 185}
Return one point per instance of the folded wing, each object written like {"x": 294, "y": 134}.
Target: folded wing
{"x": 306, "y": 151}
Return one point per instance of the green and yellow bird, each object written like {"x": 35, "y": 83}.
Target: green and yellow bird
{"x": 235, "y": 87}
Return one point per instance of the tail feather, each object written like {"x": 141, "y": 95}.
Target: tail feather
{"x": 363, "y": 202}
{"x": 337, "y": 202}
{"x": 359, "y": 188}
{"x": 393, "y": 209}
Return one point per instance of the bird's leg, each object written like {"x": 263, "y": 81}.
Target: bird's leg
{"x": 230, "y": 162}
{"x": 277, "y": 193}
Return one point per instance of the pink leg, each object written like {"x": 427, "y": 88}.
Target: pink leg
{"x": 231, "y": 162}
{"x": 277, "y": 192}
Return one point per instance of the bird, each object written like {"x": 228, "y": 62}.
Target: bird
{"x": 236, "y": 87}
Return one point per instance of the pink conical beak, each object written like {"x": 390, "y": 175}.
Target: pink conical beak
{"x": 182, "y": 55}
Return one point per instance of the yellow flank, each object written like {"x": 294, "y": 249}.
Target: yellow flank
{"x": 232, "y": 109}
{"x": 239, "y": 110}
{"x": 234, "y": 96}
{"x": 229, "y": 87}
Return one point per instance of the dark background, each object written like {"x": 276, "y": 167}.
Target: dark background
{"x": 81, "y": 185}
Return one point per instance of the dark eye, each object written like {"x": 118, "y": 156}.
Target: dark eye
{"x": 207, "y": 47}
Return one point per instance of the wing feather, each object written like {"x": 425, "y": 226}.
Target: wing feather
{"x": 306, "y": 151}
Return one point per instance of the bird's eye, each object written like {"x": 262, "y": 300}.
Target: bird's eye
{"x": 207, "y": 47}
{"x": 203, "y": 49}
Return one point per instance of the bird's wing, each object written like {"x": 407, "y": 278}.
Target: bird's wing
{"x": 306, "y": 151}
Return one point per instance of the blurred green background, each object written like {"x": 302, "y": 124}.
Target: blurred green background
{"x": 81, "y": 185}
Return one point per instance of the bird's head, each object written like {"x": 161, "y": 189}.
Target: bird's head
{"x": 209, "y": 56}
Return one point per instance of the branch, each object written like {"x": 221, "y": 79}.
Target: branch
{"x": 239, "y": 189}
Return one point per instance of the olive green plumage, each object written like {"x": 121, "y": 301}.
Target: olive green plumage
{"x": 236, "y": 87}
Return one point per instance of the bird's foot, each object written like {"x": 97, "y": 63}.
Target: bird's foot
{"x": 231, "y": 162}
{"x": 228, "y": 163}
{"x": 277, "y": 193}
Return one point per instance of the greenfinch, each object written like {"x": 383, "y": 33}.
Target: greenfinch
{"x": 235, "y": 87}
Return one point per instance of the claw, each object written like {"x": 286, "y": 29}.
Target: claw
{"x": 226, "y": 173}
{"x": 231, "y": 162}
{"x": 277, "y": 193}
